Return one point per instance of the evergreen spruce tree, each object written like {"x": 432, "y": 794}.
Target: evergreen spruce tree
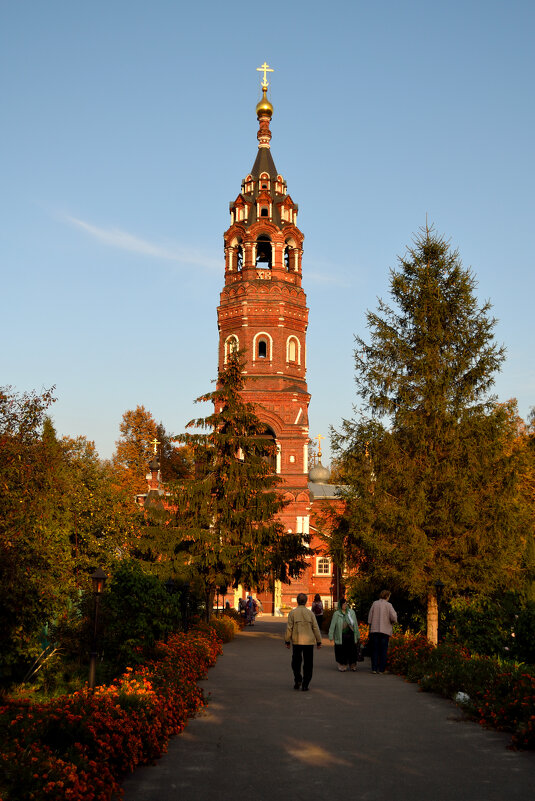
{"x": 427, "y": 460}
{"x": 225, "y": 518}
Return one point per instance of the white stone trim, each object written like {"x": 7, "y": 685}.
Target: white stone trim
{"x": 269, "y": 338}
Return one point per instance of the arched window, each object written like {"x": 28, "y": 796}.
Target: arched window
{"x": 264, "y": 212}
{"x": 263, "y": 252}
{"x": 262, "y": 346}
{"x": 323, "y": 566}
{"x": 232, "y": 345}
{"x": 270, "y": 458}
{"x": 287, "y": 257}
{"x": 293, "y": 350}
{"x": 239, "y": 258}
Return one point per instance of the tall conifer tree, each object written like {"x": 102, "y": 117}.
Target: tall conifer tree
{"x": 429, "y": 477}
{"x": 226, "y": 516}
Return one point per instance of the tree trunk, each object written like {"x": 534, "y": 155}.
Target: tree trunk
{"x": 432, "y": 618}
{"x": 210, "y": 594}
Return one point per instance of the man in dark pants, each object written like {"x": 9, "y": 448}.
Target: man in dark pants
{"x": 302, "y": 633}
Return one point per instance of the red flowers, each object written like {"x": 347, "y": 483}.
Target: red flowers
{"x": 500, "y": 694}
{"x": 77, "y": 748}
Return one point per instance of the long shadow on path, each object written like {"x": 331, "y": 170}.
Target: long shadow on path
{"x": 352, "y": 736}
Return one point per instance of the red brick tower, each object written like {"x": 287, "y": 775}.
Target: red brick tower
{"x": 263, "y": 312}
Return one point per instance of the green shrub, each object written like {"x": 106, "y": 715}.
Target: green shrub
{"x": 136, "y": 612}
{"x": 497, "y": 693}
{"x": 523, "y": 645}
{"x": 235, "y": 616}
{"x": 225, "y": 627}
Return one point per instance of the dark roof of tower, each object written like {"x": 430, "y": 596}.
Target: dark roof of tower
{"x": 264, "y": 163}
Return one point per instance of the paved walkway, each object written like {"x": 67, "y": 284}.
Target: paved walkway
{"x": 353, "y": 736}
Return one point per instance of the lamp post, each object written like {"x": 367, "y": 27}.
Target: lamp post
{"x": 98, "y": 579}
{"x": 439, "y": 588}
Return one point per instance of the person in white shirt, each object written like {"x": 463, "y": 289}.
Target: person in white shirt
{"x": 382, "y": 615}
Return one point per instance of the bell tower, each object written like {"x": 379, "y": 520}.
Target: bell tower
{"x": 263, "y": 313}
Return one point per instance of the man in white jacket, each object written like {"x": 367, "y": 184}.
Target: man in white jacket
{"x": 302, "y": 632}
{"x": 382, "y": 615}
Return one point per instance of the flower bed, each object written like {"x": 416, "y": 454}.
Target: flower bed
{"x": 78, "y": 747}
{"x": 497, "y": 694}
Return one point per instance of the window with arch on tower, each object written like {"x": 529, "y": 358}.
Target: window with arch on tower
{"x": 292, "y": 351}
{"x": 263, "y": 252}
{"x": 239, "y": 258}
{"x": 261, "y": 349}
{"x": 232, "y": 345}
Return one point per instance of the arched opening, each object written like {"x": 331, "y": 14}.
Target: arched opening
{"x": 232, "y": 345}
{"x": 287, "y": 258}
{"x": 261, "y": 349}
{"x": 239, "y": 258}
{"x": 271, "y": 458}
{"x": 264, "y": 212}
{"x": 292, "y": 350}
{"x": 263, "y": 252}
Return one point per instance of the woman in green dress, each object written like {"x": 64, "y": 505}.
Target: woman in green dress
{"x": 344, "y": 630}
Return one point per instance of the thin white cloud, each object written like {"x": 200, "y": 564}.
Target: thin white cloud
{"x": 323, "y": 273}
{"x": 117, "y": 238}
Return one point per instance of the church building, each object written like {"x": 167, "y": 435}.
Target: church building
{"x": 263, "y": 312}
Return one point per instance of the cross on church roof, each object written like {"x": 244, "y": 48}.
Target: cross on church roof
{"x": 319, "y": 438}
{"x": 264, "y": 68}
{"x": 155, "y": 444}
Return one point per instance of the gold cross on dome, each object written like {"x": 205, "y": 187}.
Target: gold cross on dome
{"x": 264, "y": 68}
{"x": 155, "y": 444}
{"x": 319, "y": 438}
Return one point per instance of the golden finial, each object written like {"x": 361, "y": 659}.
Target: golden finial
{"x": 264, "y": 68}
{"x": 264, "y": 107}
{"x": 319, "y": 438}
{"x": 155, "y": 444}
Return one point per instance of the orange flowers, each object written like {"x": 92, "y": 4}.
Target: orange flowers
{"x": 78, "y": 747}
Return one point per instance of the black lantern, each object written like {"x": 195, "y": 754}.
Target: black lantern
{"x": 98, "y": 579}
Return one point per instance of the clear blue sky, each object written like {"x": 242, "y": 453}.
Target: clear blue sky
{"x": 128, "y": 127}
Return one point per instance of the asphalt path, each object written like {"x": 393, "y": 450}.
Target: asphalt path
{"x": 353, "y": 736}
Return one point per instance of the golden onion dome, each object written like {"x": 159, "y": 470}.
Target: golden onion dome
{"x": 264, "y": 107}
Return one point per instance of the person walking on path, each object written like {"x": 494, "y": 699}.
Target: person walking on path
{"x": 317, "y": 609}
{"x": 344, "y": 630}
{"x": 250, "y": 611}
{"x": 381, "y": 616}
{"x": 302, "y": 633}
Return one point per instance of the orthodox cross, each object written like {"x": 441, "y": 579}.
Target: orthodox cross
{"x": 319, "y": 438}
{"x": 155, "y": 444}
{"x": 264, "y": 68}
